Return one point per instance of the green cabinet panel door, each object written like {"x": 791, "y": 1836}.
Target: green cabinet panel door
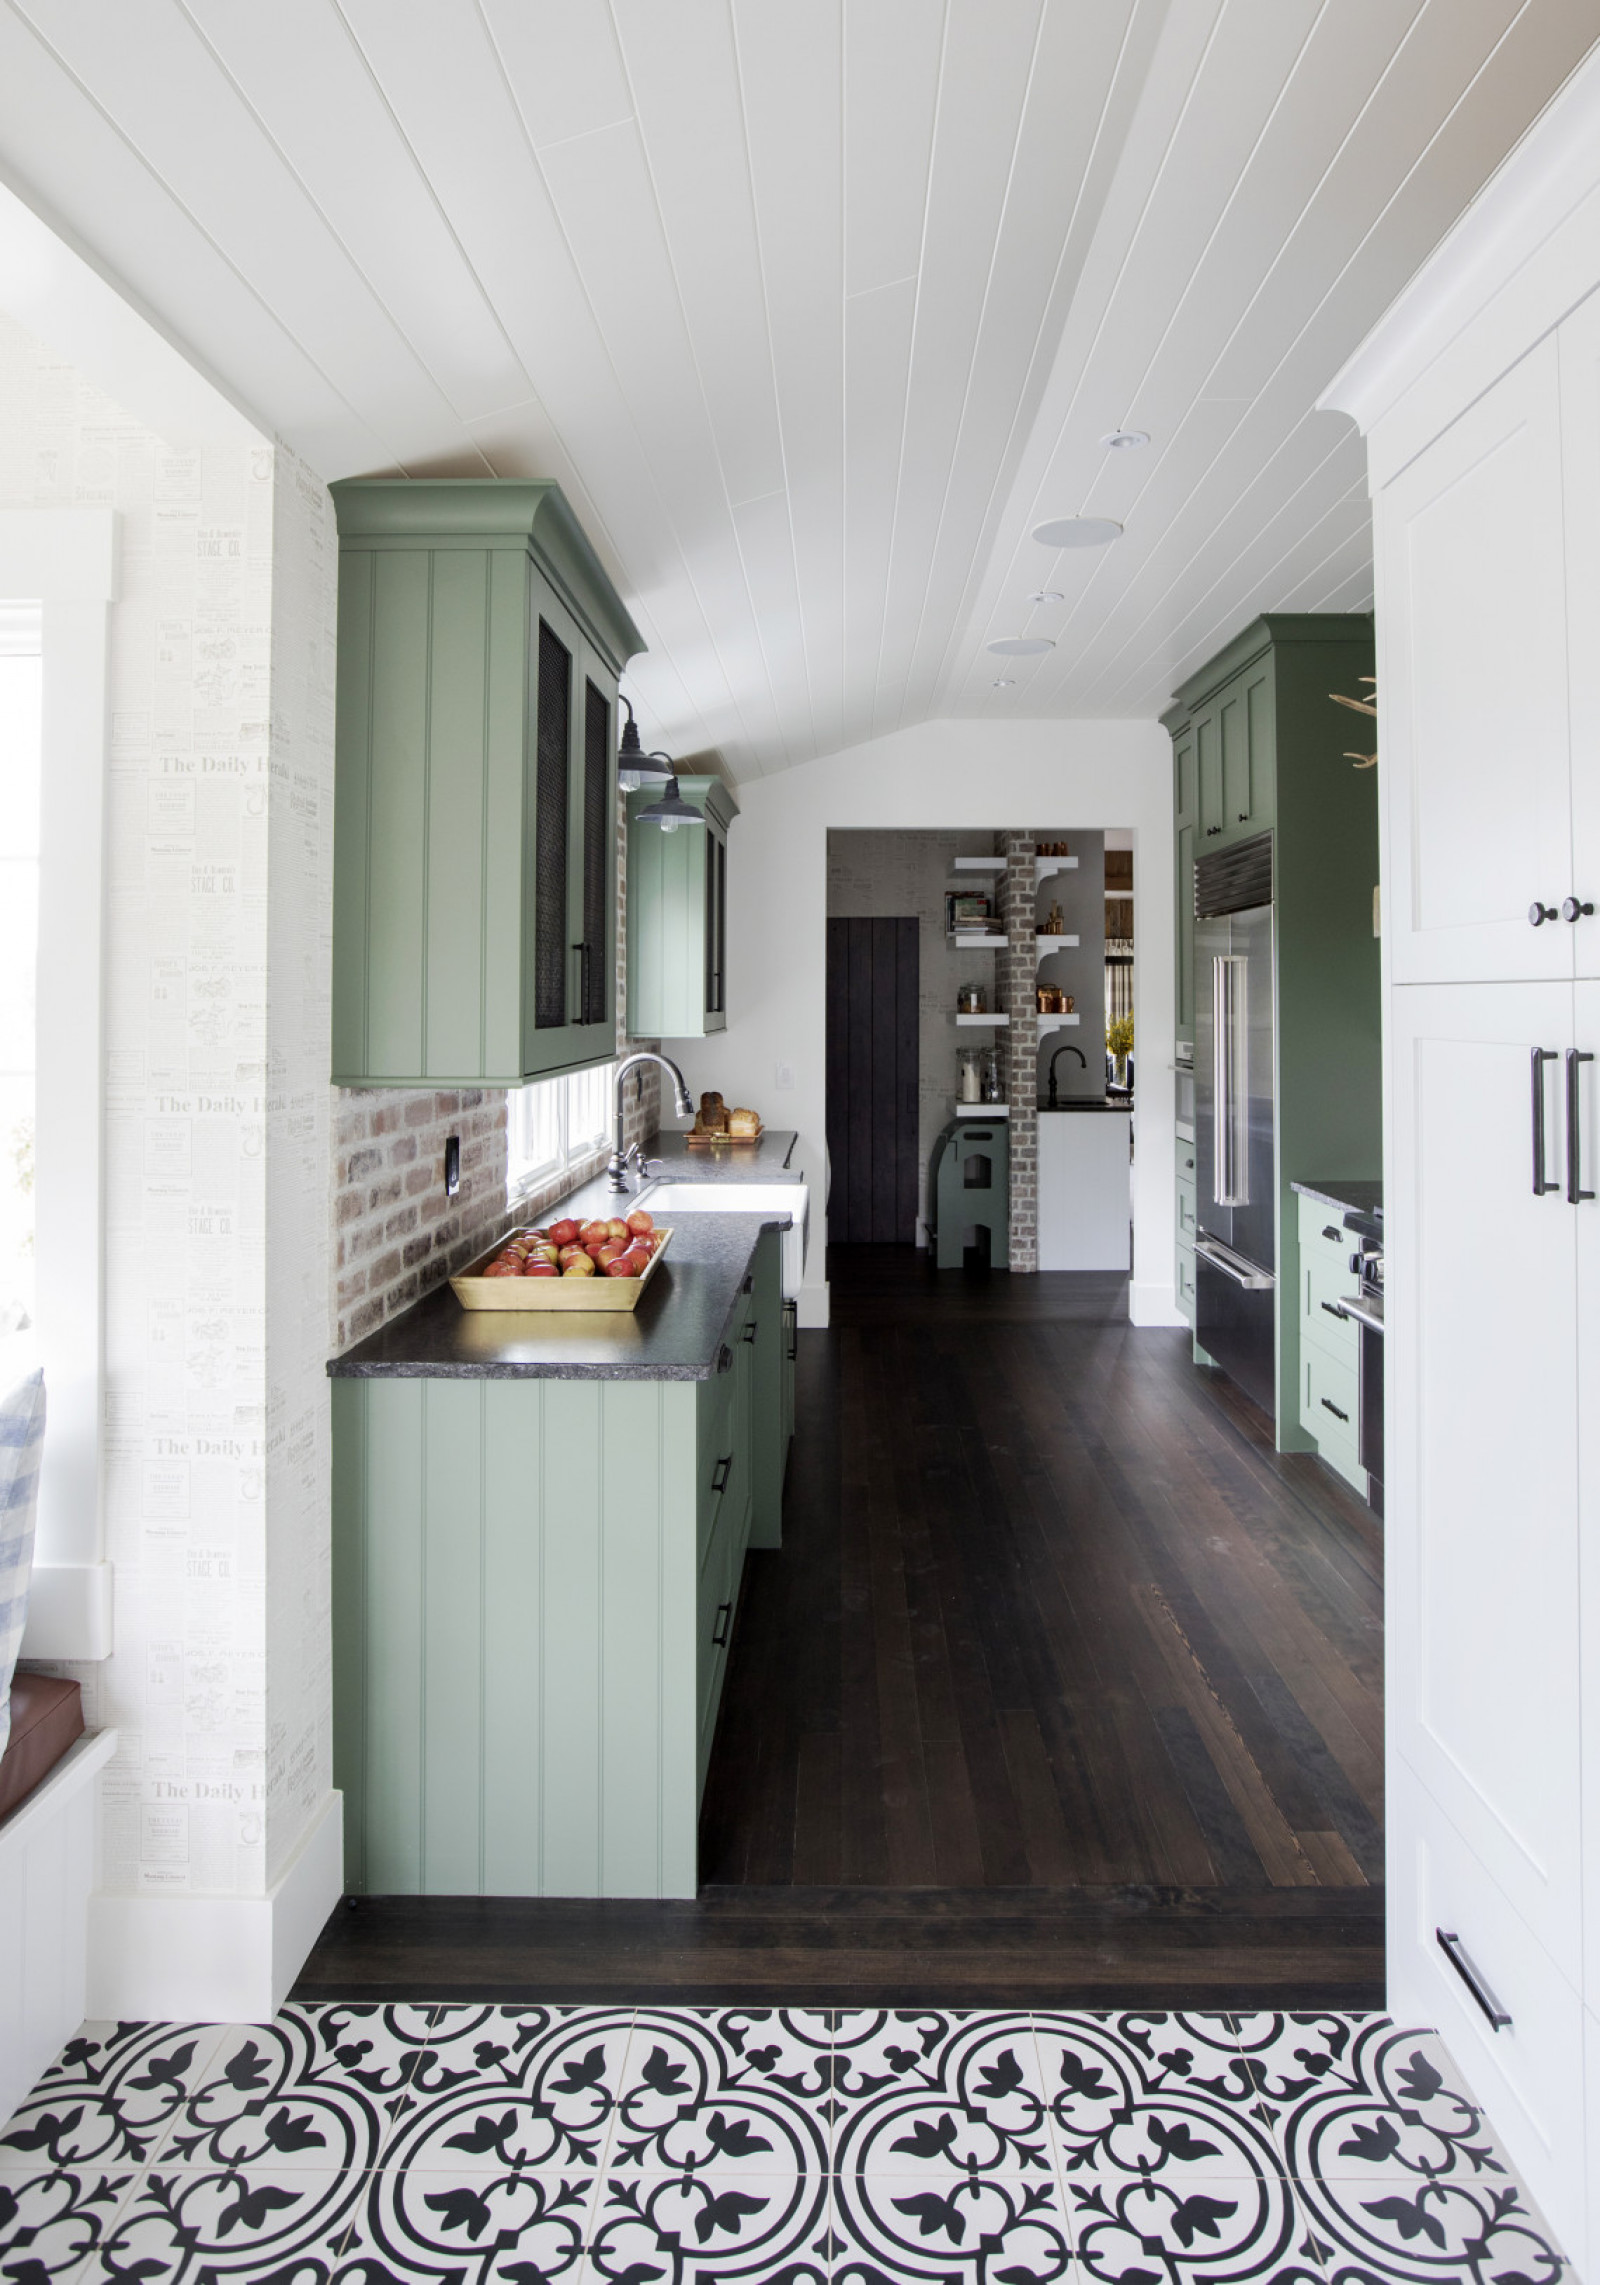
{"x": 1257, "y": 746}
{"x": 535, "y": 1584}
{"x": 678, "y": 916}
{"x": 475, "y": 786}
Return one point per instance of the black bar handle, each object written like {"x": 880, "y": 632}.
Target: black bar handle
{"x": 724, "y": 1358}
{"x": 721, "y": 1472}
{"x": 1541, "y": 1056}
{"x": 749, "y": 1284}
{"x": 792, "y": 1318}
{"x": 749, "y": 1333}
{"x": 1456, "y": 1953}
{"x": 1329, "y": 1231}
{"x": 1329, "y": 1406}
{"x": 719, "y": 1633}
{"x": 1343, "y": 1315}
{"x": 1576, "y": 1195}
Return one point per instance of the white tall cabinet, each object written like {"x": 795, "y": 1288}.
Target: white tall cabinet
{"x": 1479, "y": 394}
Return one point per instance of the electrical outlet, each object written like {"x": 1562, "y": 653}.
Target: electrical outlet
{"x": 783, "y": 1078}
{"x": 452, "y": 1166}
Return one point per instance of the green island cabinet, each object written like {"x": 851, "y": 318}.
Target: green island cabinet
{"x": 678, "y": 916}
{"x": 1330, "y": 1342}
{"x": 475, "y": 785}
{"x": 1259, "y": 745}
{"x": 534, "y": 1586}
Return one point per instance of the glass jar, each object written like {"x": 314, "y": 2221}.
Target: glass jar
{"x": 969, "y": 1081}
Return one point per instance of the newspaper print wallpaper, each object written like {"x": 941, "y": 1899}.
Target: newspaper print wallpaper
{"x": 219, "y": 839}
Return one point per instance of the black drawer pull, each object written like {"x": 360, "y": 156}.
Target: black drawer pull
{"x": 1210, "y": 829}
{"x": 724, "y": 1358}
{"x": 1244, "y": 817}
{"x": 749, "y": 1284}
{"x": 791, "y": 1316}
{"x": 1343, "y": 1316}
{"x": 1329, "y": 1231}
{"x": 1329, "y": 1406}
{"x": 1456, "y": 1953}
{"x": 719, "y": 1633}
{"x": 721, "y": 1472}
{"x": 1189, "y": 1163}
{"x": 749, "y": 1333}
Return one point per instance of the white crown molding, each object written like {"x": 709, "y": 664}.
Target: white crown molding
{"x": 1538, "y": 187}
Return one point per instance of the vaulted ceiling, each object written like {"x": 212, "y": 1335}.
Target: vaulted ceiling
{"x": 814, "y": 307}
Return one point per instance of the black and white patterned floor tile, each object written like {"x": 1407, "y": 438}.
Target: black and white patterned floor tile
{"x": 354, "y": 2145}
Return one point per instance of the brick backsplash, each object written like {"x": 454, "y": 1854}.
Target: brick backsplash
{"x": 396, "y": 1235}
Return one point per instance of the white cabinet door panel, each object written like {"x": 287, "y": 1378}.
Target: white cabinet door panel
{"x": 1473, "y": 735}
{"x": 1529, "y": 2074}
{"x": 1586, "y": 1232}
{"x": 1580, "y": 459}
{"x": 1481, "y": 1415}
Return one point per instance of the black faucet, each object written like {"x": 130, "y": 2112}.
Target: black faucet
{"x": 1068, "y": 1049}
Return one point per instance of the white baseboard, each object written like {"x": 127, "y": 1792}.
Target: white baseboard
{"x": 811, "y": 1308}
{"x": 69, "y": 1611}
{"x": 47, "y": 1869}
{"x": 215, "y": 1959}
{"x": 1154, "y": 1305}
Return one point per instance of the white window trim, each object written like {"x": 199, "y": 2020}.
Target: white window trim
{"x": 525, "y": 1181}
{"x": 65, "y": 559}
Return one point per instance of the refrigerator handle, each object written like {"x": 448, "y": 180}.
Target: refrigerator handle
{"x": 1228, "y": 1069}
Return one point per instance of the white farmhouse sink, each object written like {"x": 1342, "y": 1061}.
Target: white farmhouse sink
{"x": 669, "y": 1199}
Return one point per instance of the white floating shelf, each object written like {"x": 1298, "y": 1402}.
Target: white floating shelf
{"x": 983, "y": 1110}
{"x": 1055, "y": 1023}
{"x": 1056, "y": 943}
{"x": 990, "y": 1016}
{"x": 970, "y": 942}
{"x": 981, "y": 864}
{"x": 1044, "y": 867}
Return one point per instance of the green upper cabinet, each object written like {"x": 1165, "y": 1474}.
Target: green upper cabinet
{"x": 474, "y": 920}
{"x": 1186, "y": 819}
{"x": 678, "y": 916}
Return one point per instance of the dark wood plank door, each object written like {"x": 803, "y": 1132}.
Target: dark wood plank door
{"x": 872, "y": 1081}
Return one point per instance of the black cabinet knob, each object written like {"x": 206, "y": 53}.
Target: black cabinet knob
{"x": 1539, "y": 913}
{"x": 1572, "y": 909}
{"x": 1210, "y": 829}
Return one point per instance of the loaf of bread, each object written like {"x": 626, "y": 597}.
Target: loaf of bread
{"x": 713, "y": 1119}
{"x": 742, "y": 1122}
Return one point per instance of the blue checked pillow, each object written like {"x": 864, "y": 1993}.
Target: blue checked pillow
{"x": 21, "y": 1441}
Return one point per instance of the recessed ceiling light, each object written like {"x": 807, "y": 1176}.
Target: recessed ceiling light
{"x": 1005, "y": 682}
{"x": 1077, "y": 531}
{"x": 1125, "y": 439}
{"x": 1047, "y": 595}
{"x": 1022, "y": 646}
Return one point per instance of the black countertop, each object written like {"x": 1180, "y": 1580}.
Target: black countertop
{"x": 1346, "y": 1193}
{"x": 1087, "y": 1103}
{"x": 763, "y": 1161}
{"x": 673, "y": 1335}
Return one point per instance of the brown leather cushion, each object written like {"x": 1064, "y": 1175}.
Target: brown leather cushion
{"x": 46, "y": 1716}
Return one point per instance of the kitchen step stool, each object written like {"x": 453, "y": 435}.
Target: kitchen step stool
{"x": 969, "y": 1189}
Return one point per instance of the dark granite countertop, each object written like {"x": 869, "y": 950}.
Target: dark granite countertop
{"x": 763, "y": 1161}
{"x": 674, "y": 1334}
{"x": 1346, "y": 1192}
{"x": 1087, "y": 1103}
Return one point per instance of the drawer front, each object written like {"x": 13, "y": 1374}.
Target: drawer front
{"x": 1322, "y": 1288}
{"x": 1186, "y": 1213}
{"x": 1330, "y": 1403}
{"x": 1323, "y": 1236}
{"x": 1185, "y": 1282}
{"x": 1188, "y": 1159}
{"x": 1529, "y": 2073}
{"x": 714, "y": 1616}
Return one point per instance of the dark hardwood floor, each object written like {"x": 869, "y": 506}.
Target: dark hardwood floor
{"x": 1065, "y": 1688}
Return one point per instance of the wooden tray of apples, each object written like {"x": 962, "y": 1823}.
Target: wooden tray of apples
{"x": 567, "y": 1265}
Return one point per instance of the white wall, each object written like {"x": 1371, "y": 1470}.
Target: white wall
{"x": 218, "y": 889}
{"x": 972, "y": 776}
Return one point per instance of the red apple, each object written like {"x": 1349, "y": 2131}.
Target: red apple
{"x": 502, "y": 1269}
{"x": 633, "y": 1263}
{"x": 563, "y": 1232}
{"x": 541, "y": 1269}
{"x": 621, "y": 1265}
{"x": 567, "y": 1254}
{"x": 641, "y": 1223}
{"x": 579, "y": 1266}
{"x": 605, "y": 1255}
{"x": 617, "y": 1228}
{"x": 594, "y": 1229}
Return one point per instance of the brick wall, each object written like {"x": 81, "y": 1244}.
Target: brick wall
{"x": 396, "y": 1234}
{"x": 1016, "y": 976}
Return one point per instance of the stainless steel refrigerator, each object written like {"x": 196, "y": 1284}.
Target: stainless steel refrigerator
{"x": 1235, "y": 1252}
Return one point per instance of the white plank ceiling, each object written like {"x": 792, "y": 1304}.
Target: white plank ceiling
{"x": 814, "y": 310}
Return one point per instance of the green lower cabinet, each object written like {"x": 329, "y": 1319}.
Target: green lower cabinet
{"x": 534, "y": 1586}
